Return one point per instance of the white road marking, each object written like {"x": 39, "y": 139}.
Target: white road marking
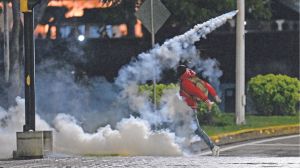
{"x": 251, "y": 143}
{"x": 276, "y": 144}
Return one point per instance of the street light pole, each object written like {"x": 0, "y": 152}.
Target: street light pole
{"x": 29, "y": 72}
{"x": 6, "y": 41}
{"x": 240, "y": 98}
{"x": 153, "y": 14}
{"x": 27, "y": 8}
{"x": 153, "y": 43}
{"x": 31, "y": 144}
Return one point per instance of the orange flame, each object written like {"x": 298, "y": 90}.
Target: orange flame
{"x": 9, "y": 5}
{"x": 138, "y": 29}
{"x": 41, "y": 30}
{"x": 76, "y": 7}
{"x": 53, "y": 32}
{"x": 51, "y": 19}
{"x": 123, "y": 29}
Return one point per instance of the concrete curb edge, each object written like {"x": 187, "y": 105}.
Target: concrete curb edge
{"x": 255, "y": 133}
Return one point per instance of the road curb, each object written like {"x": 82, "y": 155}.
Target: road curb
{"x": 256, "y": 133}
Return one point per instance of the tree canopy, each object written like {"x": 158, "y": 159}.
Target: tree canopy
{"x": 190, "y": 12}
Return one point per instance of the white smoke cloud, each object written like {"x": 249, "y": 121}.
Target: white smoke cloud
{"x": 167, "y": 130}
{"x": 132, "y": 136}
{"x": 209, "y": 69}
{"x": 12, "y": 121}
{"x": 93, "y": 102}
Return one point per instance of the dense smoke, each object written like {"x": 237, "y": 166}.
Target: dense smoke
{"x": 119, "y": 118}
{"x": 94, "y": 102}
{"x": 169, "y": 54}
{"x": 12, "y": 121}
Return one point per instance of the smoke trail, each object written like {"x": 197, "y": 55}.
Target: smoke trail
{"x": 165, "y": 131}
{"x": 169, "y": 54}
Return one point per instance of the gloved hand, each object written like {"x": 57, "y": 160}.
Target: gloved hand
{"x": 218, "y": 99}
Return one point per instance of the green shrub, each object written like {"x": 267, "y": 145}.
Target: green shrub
{"x": 147, "y": 88}
{"x": 209, "y": 118}
{"x": 274, "y": 94}
{"x": 203, "y": 115}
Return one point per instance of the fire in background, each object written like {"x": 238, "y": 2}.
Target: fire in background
{"x": 74, "y": 22}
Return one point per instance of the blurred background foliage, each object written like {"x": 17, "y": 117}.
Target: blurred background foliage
{"x": 191, "y": 12}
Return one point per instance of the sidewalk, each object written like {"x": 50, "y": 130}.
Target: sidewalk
{"x": 256, "y": 133}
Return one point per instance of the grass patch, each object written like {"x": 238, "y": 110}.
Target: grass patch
{"x": 226, "y": 123}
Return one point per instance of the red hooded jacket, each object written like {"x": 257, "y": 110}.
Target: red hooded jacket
{"x": 192, "y": 89}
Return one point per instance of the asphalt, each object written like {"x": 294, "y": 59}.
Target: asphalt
{"x": 157, "y": 162}
{"x": 280, "y": 152}
{"x": 284, "y": 146}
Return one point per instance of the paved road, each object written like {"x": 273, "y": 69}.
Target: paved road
{"x": 280, "y": 152}
{"x": 287, "y": 146}
{"x": 158, "y": 162}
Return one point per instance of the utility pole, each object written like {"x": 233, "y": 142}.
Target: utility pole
{"x": 31, "y": 144}
{"x": 27, "y": 8}
{"x": 153, "y": 43}
{"x": 6, "y": 41}
{"x": 153, "y": 15}
{"x": 240, "y": 97}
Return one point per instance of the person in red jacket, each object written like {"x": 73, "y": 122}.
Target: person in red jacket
{"x": 192, "y": 90}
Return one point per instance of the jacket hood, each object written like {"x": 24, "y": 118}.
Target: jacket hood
{"x": 188, "y": 74}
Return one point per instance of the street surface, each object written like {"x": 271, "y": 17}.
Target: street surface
{"x": 287, "y": 146}
{"x": 283, "y": 152}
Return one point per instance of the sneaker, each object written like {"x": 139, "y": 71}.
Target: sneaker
{"x": 216, "y": 150}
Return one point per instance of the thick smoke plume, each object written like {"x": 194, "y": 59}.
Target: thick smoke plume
{"x": 12, "y": 121}
{"x": 170, "y": 53}
{"x": 120, "y": 120}
{"x": 132, "y": 136}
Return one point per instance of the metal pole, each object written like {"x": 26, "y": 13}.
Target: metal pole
{"x": 29, "y": 72}
{"x": 240, "y": 98}
{"x": 6, "y": 42}
{"x": 153, "y": 43}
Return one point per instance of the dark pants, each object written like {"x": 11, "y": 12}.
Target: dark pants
{"x": 201, "y": 133}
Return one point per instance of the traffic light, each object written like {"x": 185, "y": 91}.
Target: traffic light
{"x": 27, "y": 5}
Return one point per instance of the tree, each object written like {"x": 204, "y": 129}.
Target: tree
{"x": 15, "y": 82}
{"x": 191, "y": 12}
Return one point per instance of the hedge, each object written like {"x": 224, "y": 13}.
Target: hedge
{"x": 274, "y": 94}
